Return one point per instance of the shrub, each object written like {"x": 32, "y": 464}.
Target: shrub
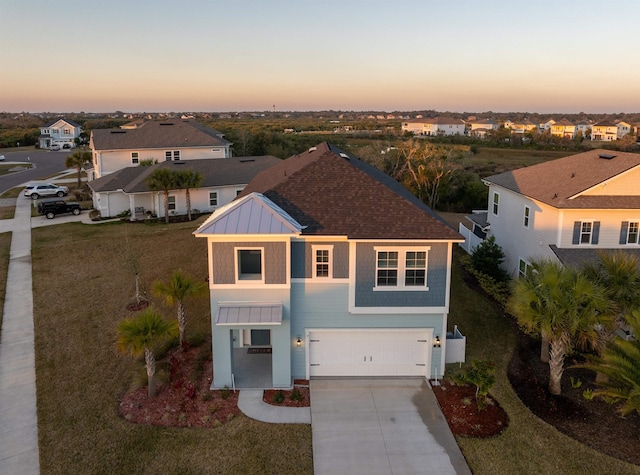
{"x": 295, "y": 395}
{"x": 498, "y": 291}
{"x": 278, "y": 397}
{"x": 480, "y": 374}
{"x": 487, "y": 258}
{"x": 225, "y": 392}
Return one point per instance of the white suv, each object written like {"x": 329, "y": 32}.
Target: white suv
{"x": 36, "y": 190}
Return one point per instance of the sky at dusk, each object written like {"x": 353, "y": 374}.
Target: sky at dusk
{"x": 393, "y": 55}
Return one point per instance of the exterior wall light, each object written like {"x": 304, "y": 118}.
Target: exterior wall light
{"x": 436, "y": 342}
{"x": 298, "y": 342}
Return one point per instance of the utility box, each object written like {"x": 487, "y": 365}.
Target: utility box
{"x": 456, "y": 346}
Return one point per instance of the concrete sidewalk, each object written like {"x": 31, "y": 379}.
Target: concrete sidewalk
{"x": 251, "y": 404}
{"x": 18, "y": 411}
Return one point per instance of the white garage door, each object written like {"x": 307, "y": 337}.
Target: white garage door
{"x": 369, "y": 352}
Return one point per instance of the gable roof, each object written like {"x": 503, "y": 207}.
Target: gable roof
{"x": 437, "y": 121}
{"x": 559, "y": 183}
{"x": 564, "y": 123}
{"x": 215, "y": 171}
{"x": 333, "y": 193}
{"x": 70, "y": 122}
{"x": 252, "y": 214}
{"x": 171, "y": 133}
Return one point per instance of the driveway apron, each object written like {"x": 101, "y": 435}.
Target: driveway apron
{"x": 385, "y": 426}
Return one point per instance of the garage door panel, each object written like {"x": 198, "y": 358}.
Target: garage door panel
{"x": 368, "y": 353}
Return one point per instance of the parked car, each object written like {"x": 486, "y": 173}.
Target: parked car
{"x": 54, "y": 147}
{"x": 36, "y": 190}
{"x": 50, "y": 207}
{"x": 1, "y": 158}
{"x": 66, "y": 145}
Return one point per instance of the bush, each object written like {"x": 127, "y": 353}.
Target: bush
{"x": 487, "y": 258}
{"x": 295, "y": 395}
{"x": 278, "y": 397}
{"x": 480, "y": 374}
{"x": 498, "y": 291}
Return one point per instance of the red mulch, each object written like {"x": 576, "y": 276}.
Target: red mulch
{"x": 186, "y": 401}
{"x": 458, "y": 404}
{"x": 302, "y": 385}
{"x": 594, "y": 423}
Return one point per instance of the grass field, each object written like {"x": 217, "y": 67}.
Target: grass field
{"x": 490, "y": 161}
{"x": 529, "y": 445}
{"x": 83, "y": 278}
{"x": 5, "y": 248}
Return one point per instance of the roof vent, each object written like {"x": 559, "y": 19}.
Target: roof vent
{"x": 555, "y": 195}
{"x": 573, "y": 175}
{"x": 119, "y": 131}
{"x": 344, "y": 155}
{"x": 166, "y": 123}
{"x": 606, "y": 156}
{"x": 313, "y": 149}
{"x": 248, "y": 159}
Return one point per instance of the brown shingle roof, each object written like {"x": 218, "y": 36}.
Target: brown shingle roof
{"x": 557, "y": 181}
{"x": 333, "y": 193}
{"x": 172, "y": 133}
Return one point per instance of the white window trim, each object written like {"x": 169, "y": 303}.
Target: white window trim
{"x": 217, "y": 199}
{"x": 248, "y": 282}
{"x": 136, "y": 158}
{"x": 402, "y": 263}
{"x": 175, "y": 202}
{"x": 495, "y": 205}
{"x": 582, "y": 222}
{"x": 314, "y": 262}
{"x": 527, "y": 266}
{"x": 526, "y": 220}
{"x": 633, "y": 221}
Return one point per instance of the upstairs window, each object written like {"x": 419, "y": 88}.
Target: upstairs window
{"x": 586, "y": 232}
{"x": 67, "y": 131}
{"x": 249, "y": 264}
{"x": 213, "y": 199}
{"x": 496, "y": 202}
{"x": 401, "y": 269}
{"x": 630, "y": 232}
{"x": 527, "y": 212}
{"x": 322, "y": 262}
{"x": 172, "y": 155}
{"x": 135, "y": 158}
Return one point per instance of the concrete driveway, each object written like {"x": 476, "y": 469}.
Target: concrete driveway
{"x": 384, "y": 426}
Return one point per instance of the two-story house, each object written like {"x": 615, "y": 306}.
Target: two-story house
{"x": 520, "y": 126}
{"x": 566, "y": 209}
{"x": 325, "y": 266}
{"x": 59, "y": 134}
{"x": 434, "y": 127}
{"x": 624, "y": 128}
{"x": 480, "y": 127}
{"x": 222, "y": 180}
{"x": 155, "y": 140}
{"x": 564, "y": 128}
{"x": 604, "y": 130}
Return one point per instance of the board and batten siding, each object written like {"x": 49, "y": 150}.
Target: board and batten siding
{"x": 302, "y": 263}
{"x": 326, "y": 306}
{"x": 275, "y": 261}
{"x": 365, "y": 275}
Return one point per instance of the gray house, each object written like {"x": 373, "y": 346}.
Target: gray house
{"x": 325, "y": 266}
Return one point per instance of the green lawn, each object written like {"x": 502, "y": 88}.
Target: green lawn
{"x": 5, "y": 247}
{"x": 83, "y": 278}
{"x": 490, "y": 161}
{"x": 529, "y": 445}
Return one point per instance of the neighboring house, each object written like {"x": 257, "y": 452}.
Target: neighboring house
{"x": 127, "y": 189}
{"x": 331, "y": 268}
{"x": 158, "y": 140}
{"x": 566, "y": 209}
{"x": 564, "y": 128}
{"x": 584, "y": 127}
{"x": 605, "y": 130}
{"x": 480, "y": 127}
{"x": 624, "y": 128}
{"x": 520, "y": 126}
{"x": 546, "y": 125}
{"x": 434, "y": 127}
{"x": 59, "y": 133}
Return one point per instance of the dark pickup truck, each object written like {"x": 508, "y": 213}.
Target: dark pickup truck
{"x": 52, "y": 206}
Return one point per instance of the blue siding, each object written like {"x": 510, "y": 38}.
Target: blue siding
{"x": 224, "y": 258}
{"x": 366, "y": 275}
{"x": 326, "y": 306}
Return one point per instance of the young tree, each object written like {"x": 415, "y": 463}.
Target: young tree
{"x": 188, "y": 179}
{"x": 140, "y": 335}
{"x": 77, "y": 160}
{"x": 563, "y": 307}
{"x": 163, "y": 180}
{"x": 179, "y": 288}
{"x": 425, "y": 167}
{"x": 487, "y": 258}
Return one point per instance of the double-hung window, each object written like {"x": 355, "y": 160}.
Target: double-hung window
{"x": 172, "y": 155}
{"x": 213, "y": 199}
{"x": 527, "y": 213}
{"x": 496, "y": 202}
{"x": 322, "y": 262}
{"x": 586, "y": 232}
{"x": 135, "y": 158}
{"x": 401, "y": 269}
{"x": 172, "y": 203}
{"x": 632, "y": 235}
{"x": 630, "y": 232}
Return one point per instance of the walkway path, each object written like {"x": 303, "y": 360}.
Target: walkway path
{"x": 251, "y": 404}
{"x": 18, "y": 412}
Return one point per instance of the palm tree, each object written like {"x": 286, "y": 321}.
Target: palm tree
{"x": 163, "y": 179}
{"x": 620, "y": 363}
{"x": 187, "y": 179}
{"x": 563, "y": 307}
{"x": 77, "y": 160}
{"x": 139, "y": 335}
{"x": 179, "y": 288}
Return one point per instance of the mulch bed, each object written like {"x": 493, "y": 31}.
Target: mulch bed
{"x": 301, "y": 385}
{"x": 458, "y": 404}
{"x": 594, "y": 423}
{"x": 186, "y": 400}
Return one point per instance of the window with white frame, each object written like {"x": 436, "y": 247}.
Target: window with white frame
{"x": 172, "y": 203}
{"x": 249, "y": 264}
{"x": 401, "y": 269}
{"x": 527, "y": 213}
{"x": 524, "y": 268}
{"x": 67, "y": 131}
{"x": 322, "y": 262}
{"x": 496, "y": 202}
{"x": 632, "y": 232}
{"x": 586, "y": 228}
{"x": 213, "y": 199}
{"x": 171, "y": 155}
{"x": 176, "y": 155}
{"x": 135, "y": 158}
